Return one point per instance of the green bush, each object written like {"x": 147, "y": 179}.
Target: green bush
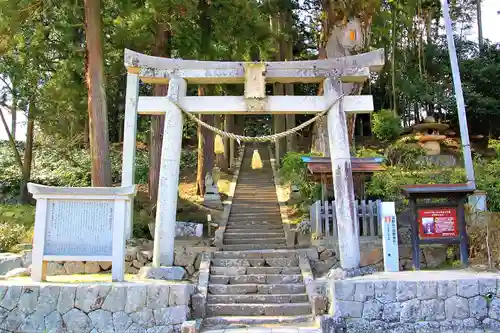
{"x": 488, "y": 179}
{"x": 386, "y": 126}
{"x": 364, "y": 152}
{"x": 10, "y": 235}
{"x": 69, "y": 167}
{"x": 403, "y": 154}
{"x": 387, "y": 185}
{"x": 189, "y": 159}
{"x": 294, "y": 170}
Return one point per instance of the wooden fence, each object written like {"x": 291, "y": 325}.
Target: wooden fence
{"x": 324, "y": 220}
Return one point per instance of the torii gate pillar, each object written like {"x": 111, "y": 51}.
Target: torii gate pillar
{"x": 338, "y": 139}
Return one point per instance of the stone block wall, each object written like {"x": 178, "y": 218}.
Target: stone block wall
{"x": 94, "y": 308}
{"x": 372, "y": 254}
{"x": 451, "y": 305}
{"x": 139, "y": 253}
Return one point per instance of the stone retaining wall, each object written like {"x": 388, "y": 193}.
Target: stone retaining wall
{"x": 419, "y": 302}
{"x": 94, "y": 308}
{"x": 139, "y": 253}
{"x": 372, "y": 254}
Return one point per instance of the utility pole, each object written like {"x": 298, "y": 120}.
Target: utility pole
{"x": 459, "y": 96}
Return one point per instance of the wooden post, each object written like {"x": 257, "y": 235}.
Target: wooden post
{"x": 129, "y": 143}
{"x": 280, "y": 144}
{"x": 348, "y": 226}
{"x": 229, "y": 143}
{"x": 166, "y": 208}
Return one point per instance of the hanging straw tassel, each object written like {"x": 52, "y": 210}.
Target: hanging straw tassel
{"x": 256, "y": 160}
{"x": 218, "y": 145}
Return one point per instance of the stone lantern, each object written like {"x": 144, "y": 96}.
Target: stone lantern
{"x": 428, "y": 135}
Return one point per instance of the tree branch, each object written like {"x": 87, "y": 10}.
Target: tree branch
{"x": 12, "y": 143}
{"x": 7, "y": 84}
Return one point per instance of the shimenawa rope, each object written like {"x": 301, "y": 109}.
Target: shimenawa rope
{"x": 264, "y": 138}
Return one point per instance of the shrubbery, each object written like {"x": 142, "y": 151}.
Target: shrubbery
{"x": 16, "y": 225}
{"x": 387, "y": 185}
{"x": 294, "y": 170}
{"x": 10, "y": 235}
{"x": 402, "y": 154}
{"x": 69, "y": 167}
{"x": 385, "y": 125}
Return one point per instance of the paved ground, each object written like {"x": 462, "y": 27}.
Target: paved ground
{"x": 267, "y": 330}
{"x": 429, "y": 275}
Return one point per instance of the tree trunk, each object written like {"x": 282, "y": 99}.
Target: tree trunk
{"x": 162, "y": 48}
{"x": 291, "y": 140}
{"x": 393, "y": 61}
{"x": 28, "y": 157}
{"x": 479, "y": 26}
{"x": 222, "y": 162}
{"x": 97, "y": 108}
{"x": 205, "y": 136}
{"x": 229, "y": 143}
{"x": 205, "y": 150}
{"x": 155, "y": 144}
{"x": 13, "y": 127}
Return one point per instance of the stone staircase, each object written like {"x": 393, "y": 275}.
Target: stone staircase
{"x": 255, "y": 282}
{"x": 255, "y": 221}
{"x": 256, "y": 288}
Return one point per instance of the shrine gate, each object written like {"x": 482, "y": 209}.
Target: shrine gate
{"x": 177, "y": 73}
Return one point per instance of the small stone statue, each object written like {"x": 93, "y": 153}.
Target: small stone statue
{"x": 212, "y": 198}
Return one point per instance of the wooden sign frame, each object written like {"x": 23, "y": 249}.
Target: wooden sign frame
{"x": 456, "y": 197}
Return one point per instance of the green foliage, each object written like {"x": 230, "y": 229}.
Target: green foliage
{"x": 364, "y": 152}
{"x": 385, "y": 125}
{"x": 294, "y": 171}
{"x": 10, "y": 235}
{"x": 69, "y": 167}
{"x": 387, "y": 185}
{"x": 189, "y": 159}
{"x": 403, "y": 154}
{"x": 488, "y": 179}
{"x": 23, "y": 215}
{"x": 16, "y": 225}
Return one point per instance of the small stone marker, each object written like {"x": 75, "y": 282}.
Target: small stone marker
{"x": 390, "y": 236}
{"x": 80, "y": 224}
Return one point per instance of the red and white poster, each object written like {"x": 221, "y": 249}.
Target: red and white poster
{"x": 437, "y": 222}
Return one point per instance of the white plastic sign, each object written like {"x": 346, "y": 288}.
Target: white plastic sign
{"x": 390, "y": 236}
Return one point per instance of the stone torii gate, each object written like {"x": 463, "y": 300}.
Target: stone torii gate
{"x": 178, "y": 73}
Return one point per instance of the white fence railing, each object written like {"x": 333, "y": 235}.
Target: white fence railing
{"x": 324, "y": 219}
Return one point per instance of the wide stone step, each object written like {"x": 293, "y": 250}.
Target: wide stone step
{"x": 233, "y": 229}
{"x": 257, "y": 298}
{"x": 252, "y": 235}
{"x": 258, "y": 262}
{"x": 222, "y": 322}
{"x": 253, "y": 207}
{"x": 255, "y": 254}
{"x": 264, "y": 227}
{"x": 256, "y": 219}
{"x": 244, "y": 247}
{"x": 290, "y": 309}
{"x": 279, "y": 240}
{"x": 243, "y": 289}
{"x": 256, "y": 278}
{"x": 234, "y": 271}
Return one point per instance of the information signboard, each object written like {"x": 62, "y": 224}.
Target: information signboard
{"x": 437, "y": 222}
